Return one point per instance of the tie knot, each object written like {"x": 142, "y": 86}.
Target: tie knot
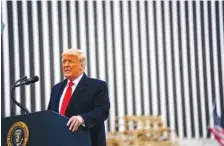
{"x": 70, "y": 84}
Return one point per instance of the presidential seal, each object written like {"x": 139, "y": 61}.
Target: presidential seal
{"x": 18, "y": 134}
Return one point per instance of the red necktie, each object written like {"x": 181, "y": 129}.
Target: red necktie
{"x": 66, "y": 98}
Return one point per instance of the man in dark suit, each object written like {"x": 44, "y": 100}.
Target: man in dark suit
{"x": 82, "y": 99}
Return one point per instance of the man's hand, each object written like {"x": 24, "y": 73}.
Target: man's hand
{"x": 74, "y": 122}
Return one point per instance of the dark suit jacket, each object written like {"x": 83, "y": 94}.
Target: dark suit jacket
{"x": 90, "y": 100}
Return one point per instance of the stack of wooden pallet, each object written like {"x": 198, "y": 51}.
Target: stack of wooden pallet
{"x": 141, "y": 131}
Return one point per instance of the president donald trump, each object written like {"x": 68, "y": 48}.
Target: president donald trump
{"x": 82, "y": 99}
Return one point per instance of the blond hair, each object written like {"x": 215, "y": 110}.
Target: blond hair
{"x": 76, "y": 52}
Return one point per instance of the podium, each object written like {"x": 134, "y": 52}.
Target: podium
{"x": 46, "y": 128}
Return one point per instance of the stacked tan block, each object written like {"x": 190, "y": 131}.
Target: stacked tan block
{"x": 140, "y": 131}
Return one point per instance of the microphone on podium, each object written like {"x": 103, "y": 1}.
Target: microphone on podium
{"x": 31, "y": 80}
{"x": 27, "y": 81}
{"x": 20, "y": 82}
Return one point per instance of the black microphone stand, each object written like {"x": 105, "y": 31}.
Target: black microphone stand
{"x": 13, "y": 97}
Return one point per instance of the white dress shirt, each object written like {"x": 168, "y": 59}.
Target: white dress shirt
{"x": 75, "y": 82}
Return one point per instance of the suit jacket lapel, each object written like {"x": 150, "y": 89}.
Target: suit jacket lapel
{"x": 61, "y": 89}
{"x": 81, "y": 87}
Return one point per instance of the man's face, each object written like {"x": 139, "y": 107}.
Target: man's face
{"x": 71, "y": 66}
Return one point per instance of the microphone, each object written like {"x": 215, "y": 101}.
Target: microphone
{"x": 21, "y": 82}
{"x": 27, "y": 81}
{"x": 31, "y": 80}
